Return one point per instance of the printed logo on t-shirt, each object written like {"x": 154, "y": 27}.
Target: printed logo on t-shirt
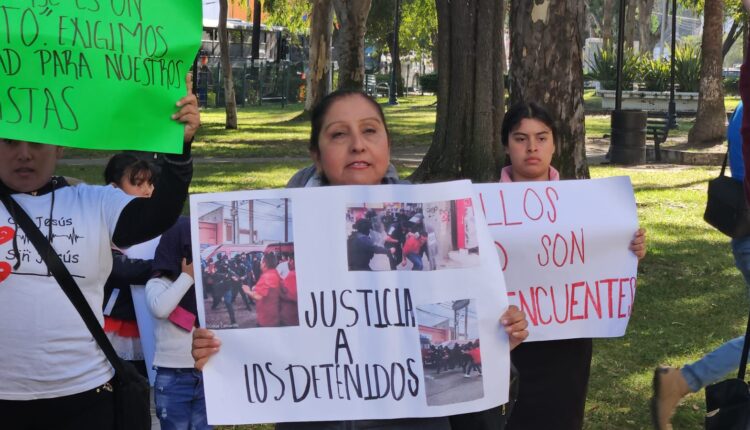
{"x": 27, "y": 253}
{"x": 6, "y": 234}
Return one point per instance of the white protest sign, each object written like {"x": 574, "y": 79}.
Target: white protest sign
{"x": 355, "y": 330}
{"x": 145, "y": 319}
{"x": 563, "y": 247}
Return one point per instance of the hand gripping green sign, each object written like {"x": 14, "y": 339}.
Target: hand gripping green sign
{"x": 98, "y": 74}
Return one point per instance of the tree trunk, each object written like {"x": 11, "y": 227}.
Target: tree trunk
{"x": 545, "y": 67}
{"x": 255, "y": 47}
{"x": 709, "y": 121}
{"x": 396, "y": 52}
{"x": 229, "y": 101}
{"x": 321, "y": 29}
{"x": 608, "y": 12}
{"x": 396, "y": 65}
{"x": 434, "y": 51}
{"x": 470, "y": 108}
{"x": 630, "y": 24}
{"x": 352, "y": 17}
{"x": 645, "y": 35}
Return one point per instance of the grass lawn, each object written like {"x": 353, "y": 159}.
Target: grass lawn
{"x": 690, "y": 296}
{"x": 271, "y": 131}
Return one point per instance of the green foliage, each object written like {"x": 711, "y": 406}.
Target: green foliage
{"x": 417, "y": 31}
{"x": 732, "y": 85}
{"x": 604, "y": 68}
{"x": 655, "y": 74}
{"x": 429, "y": 82}
{"x": 418, "y": 27}
{"x": 292, "y": 14}
{"x": 687, "y": 60}
{"x": 383, "y": 78}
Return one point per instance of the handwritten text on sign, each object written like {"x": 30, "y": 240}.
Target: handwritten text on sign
{"x": 353, "y": 343}
{"x": 100, "y": 74}
{"x": 563, "y": 247}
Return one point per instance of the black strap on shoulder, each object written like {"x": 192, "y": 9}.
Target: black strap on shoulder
{"x": 745, "y": 348}
{"x": 63, "y": 277}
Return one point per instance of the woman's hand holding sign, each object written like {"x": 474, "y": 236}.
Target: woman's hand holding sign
{"x": 515, "y": 323}
{"x": 205, "y": 344}
{"x": 638, "y": 245}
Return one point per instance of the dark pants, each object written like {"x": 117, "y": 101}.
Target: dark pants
{"x": 93, "y": 409}
{"x": 554, "y": 377}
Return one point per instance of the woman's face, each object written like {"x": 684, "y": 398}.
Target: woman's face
{"x": 26, "y": 166}
{"x": 530, "y": 147}
{"x": 353, "y": 144}
{"x": 142, "y": 187}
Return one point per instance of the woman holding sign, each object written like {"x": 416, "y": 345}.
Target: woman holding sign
{"x": 53, "y": 374}
{"x": 554, "y": 374}
{"x": 350, "y": 145}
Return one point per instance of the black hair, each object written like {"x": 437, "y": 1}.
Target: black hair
{"x": 526, "y": 110}
{"x": 320, "y": 111}
{"x": 363, "y": 225}
{"x": 270, "y": 260}
{"x": 126, "y": 166}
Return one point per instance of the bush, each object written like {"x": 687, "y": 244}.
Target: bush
{"x": 732, "y": 85}
{"x": 604, "y": 68}
{"x": 383, "y": 78}
{"x": 687, "y": 61}
{"x": 429, "y": 82}
{"x": 655, "y": 74}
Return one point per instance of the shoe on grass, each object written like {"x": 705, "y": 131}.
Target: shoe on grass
{"x": 669, "y": 387}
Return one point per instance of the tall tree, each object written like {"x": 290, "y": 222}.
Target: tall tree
{"x": 647, "y": 35}
{"x": 315, "y": 17}
{"x": 352, "y": 18}
{"x": 396, "y": 52}
{"x": 321, "y": 28}
{"x": 608, "y": 13}
{"x": 466, "y": 142}
{"x": 709, "y": 125}
{"x": 226, "y": 66}
{"x": 545, "y": 41}
{"x": 417, "y": 32}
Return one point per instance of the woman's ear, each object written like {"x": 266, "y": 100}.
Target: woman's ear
{"x": 315, "y": 155}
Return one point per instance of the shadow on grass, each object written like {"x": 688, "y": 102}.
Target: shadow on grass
{"x": 671, "y": 186}
{"x": 688, "y": 291}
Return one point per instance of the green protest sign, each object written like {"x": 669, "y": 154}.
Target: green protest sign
{"x": 98, "y": 74}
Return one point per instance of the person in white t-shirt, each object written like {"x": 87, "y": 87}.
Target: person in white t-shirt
{"x": 53, "y": 374}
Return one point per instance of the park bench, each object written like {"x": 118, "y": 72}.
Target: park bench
{"x": 374, "y": 89}
{"x": 657, "y": 129}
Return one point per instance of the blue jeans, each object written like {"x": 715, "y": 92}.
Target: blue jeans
{"x": 416, "y": 260}
{"x": 178, "y": 395}
{"x": 715, "y": 365}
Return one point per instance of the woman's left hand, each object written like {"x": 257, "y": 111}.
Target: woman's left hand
{"x": 188, "y": 113}
{"x": 638, "y": 245}
{"x": 515, "y": 323}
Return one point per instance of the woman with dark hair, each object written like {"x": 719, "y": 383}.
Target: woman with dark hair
{"x": 136, "y": 178}
{"x": 133, "y": 175}
{"x": 350, "y": 145}
{"x": 554, "y": 374}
